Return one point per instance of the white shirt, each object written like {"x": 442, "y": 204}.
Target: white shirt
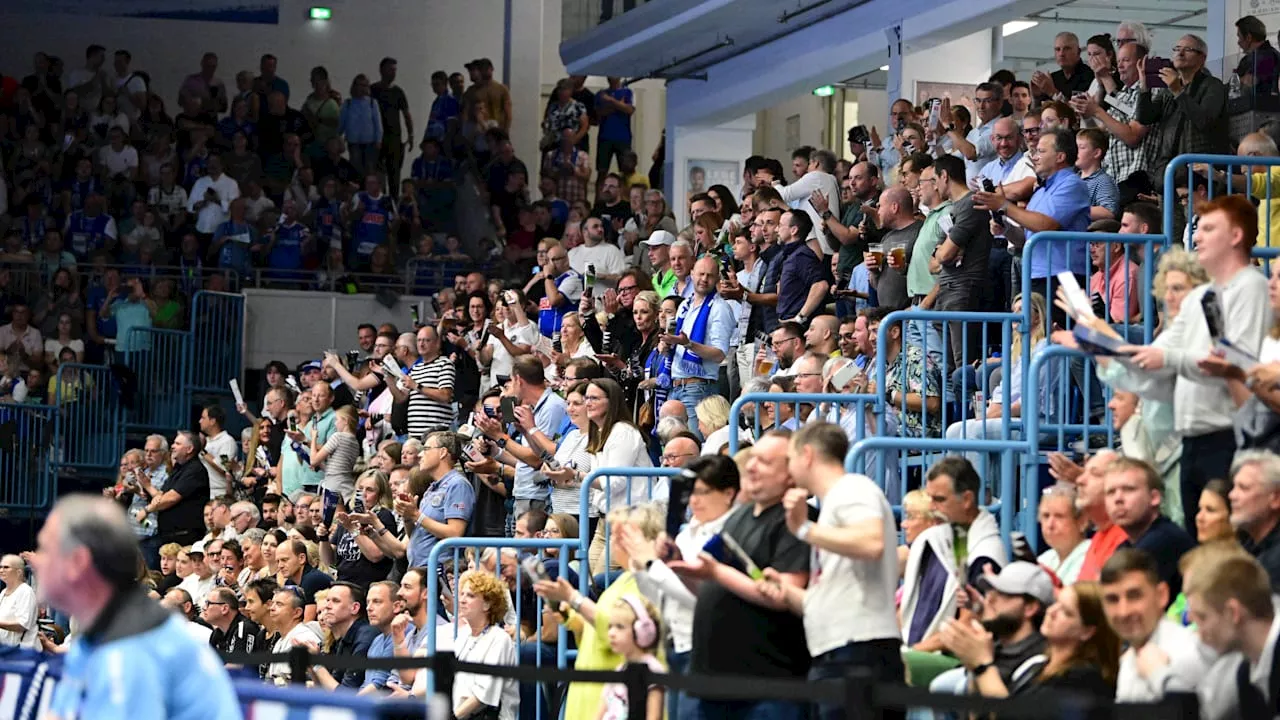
{"x": 607, "y": 258}
{"x": 215, "y": 213}
{"x": 126, "y": 87}
{"x": 625, "y": 448}
{"x": 19, "y": 606}
{"x": 493, "y": 646}
{"x": 80, "y": 76}
{"x": 1260, "y": 674}
{"x": 502, "y": 363}
{"x": 850, "y": 599}
{"x": 198, "y": 589}
{"x": 304, "y": 632}
{"x": 120, "y": 162}
{"x": 1201, "y": 404}
{"x": 665, "y": 589}
{"x": 217, "y": 446}
{"x": 1189, "y": 659}
{"x": 797, "y": 196}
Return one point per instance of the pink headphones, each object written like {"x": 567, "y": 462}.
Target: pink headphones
{"x": 644, "y": 628}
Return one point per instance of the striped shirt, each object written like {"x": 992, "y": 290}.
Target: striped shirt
{"x": 1121, "y": 161}
{"x": 340, "y": 463}
{"x": 424, "y": 413}
{"x": 572, "y": 453}
{"x": 1103, "y": 192}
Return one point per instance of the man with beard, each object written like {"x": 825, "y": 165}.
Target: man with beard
{"x": 1011, "y": 610}
{"x": 612, "y": 209}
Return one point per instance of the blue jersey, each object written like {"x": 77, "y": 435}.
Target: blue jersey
{"x": 32, "y": 231}
{"x": 373, "y": 218}
{"x": 286, "y": 254}
{"x": 143, "y": 662}
{"x": 80, "y": 191}
{"x": 328, "y": 224}
{"x": 234, "y": 253}
{"x": 87, "y": 234}
{"x": 549, "y": 317}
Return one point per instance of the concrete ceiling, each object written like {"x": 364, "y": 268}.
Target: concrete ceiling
{"x": 1032, "y": 49}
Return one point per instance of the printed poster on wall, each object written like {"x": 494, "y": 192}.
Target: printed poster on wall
{"x": 702, "y": 174}
{"x": 239, "y": 11}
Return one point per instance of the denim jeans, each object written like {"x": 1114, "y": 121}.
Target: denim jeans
{"x": 883, "y": 658}
{"x": 535, "y": 695}
{"x": 918, "y": 332}
{"x": 751, "y": 710}
{"x": 691, "y": 394}
{"x": 680, "y": 706}
{"x": 951, "y": 682}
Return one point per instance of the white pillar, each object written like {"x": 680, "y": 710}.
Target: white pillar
{"x": 525, "y": 79}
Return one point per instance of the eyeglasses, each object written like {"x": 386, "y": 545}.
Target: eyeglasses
{"x": 211, "y": 602}
{"x": 674, "y": 458}
{"x": 629, "y": 288}
{"x": 1030, "y": 131}
{"x": 1184, "y": 49}
{"x": 928, "y": 179}
{"x": 594, "y": 398}
{"x": 811, "y": 374}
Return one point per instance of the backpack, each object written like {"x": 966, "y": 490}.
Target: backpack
{"x": 142, "y": 75}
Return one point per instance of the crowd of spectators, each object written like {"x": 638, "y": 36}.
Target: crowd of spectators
{"x": 613, "y": 334}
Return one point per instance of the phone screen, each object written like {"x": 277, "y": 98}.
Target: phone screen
{"x": 508, "y": 409}
{"x": 678, "y": 504}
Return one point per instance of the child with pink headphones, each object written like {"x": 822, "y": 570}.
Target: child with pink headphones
{"x": 635, "y": 633}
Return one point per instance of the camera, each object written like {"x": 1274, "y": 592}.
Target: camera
{"x": 859, "y": 134}
{"x": 353, "y": 359}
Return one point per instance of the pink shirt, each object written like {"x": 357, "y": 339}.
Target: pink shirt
{"x": 1120, "y": 285}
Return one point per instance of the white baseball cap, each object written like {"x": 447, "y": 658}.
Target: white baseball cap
{"x": 661, "y": 237}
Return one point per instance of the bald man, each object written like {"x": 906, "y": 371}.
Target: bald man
{"x": 704, "y": 327}
{"x": 898, "y": 221}
{"x": 823, "y": 336}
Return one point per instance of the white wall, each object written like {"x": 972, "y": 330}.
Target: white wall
{"x": 423, "y": 35}
{"x": 729, "y": 142}
{"x": 966, "y": 60}
{"x": 771, "y": 126}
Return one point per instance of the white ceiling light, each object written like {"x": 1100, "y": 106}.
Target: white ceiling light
{"x": 1016, "y": 26}
{"x": 884, "y": 68}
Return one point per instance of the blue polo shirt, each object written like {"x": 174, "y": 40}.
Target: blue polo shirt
{"x": 449, "y": 498}
{"x": 1064, "y": 198}
{"x": 801, "y": 270}
{"x": 997, "y": 170}
{"x": 549, "y": 416}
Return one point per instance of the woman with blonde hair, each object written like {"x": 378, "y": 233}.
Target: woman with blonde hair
{"x": 349, "y": 547}
{"x": 712, "y": 413}
{"x": 591, "y": 619}
{"x": 995, "y": 416}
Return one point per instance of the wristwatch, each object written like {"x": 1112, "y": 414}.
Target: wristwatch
{"x": 826, "y": 215}
{"x": 977, "y": 671}
{"x": 800, "y": 318}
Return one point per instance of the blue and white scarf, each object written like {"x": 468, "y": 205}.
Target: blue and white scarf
{"x": 690, "y": 363}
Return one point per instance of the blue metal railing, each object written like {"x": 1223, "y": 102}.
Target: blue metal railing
{"x": 162, "y": 401}
{"x": 26, "y": 436}
{"x": 860, "y": 403}
{"x": 608, "y": 477}
{"x": 1004, "y": 505}
{"x": 564, "y": 545}
{"x": 213, "y": 356}
{"x": 89, "y": 430}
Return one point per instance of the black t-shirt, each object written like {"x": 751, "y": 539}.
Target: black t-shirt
{"x": 243, "y": 636}
{"x": 191, "y": 481}
{"x": 972, "y": 233}
{"x": 614, "y": 216}
{"x": 489, "y": 514}
{"x": 311, "y": 582}
{"x": 734, "y": 637}
{"x": 353, "y": 566}
{"x": 1167, "y": 542}
{"x": 273, "y": 128}
{"x": 341, "y": 170}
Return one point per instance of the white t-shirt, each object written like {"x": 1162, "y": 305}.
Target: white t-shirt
{"x": 215, "y": 213}
{"x": 526, "y": 334}
{"x": 92, "y": 95}
{"x": 20, "y": 606}
{"x": 302, "y": 632}
{"x": 625, "y": 447}
{"x": 219, "y": 445}
{"x": 851, "y": 600}
{"x": 53, "y": 347}
{"x": 198, "y": 589}
{"x": 1270, "y": 350}
{"x": 607, "y": 258}
{"x": 118, "y": 162}
{"x": 126, "y": 87}
{"x": 491, "y": 647}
